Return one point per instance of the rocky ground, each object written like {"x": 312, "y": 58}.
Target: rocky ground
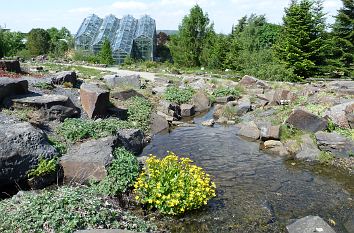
{"x": 312, "y": 122}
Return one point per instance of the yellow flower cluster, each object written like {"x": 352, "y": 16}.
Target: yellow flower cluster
{"x": 173, "y": 185}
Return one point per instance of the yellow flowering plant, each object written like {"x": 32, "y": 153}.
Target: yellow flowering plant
{"x": 173, "y": 185}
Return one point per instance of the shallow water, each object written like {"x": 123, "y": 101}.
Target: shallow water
{"x": 256, "y": 192}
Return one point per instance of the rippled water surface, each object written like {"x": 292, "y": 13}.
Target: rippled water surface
{"x": 256, "y": 192}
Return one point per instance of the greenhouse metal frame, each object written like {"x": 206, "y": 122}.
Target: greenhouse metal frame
{"x": 129, "y": 37}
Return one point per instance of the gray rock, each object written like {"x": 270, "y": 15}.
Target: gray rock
{"x": 132, "y": 139}
{"x": 224, "y": 99}
{"x": 307, "y": 121}
{"x": 209, "y": 123}
{"x": 335, "y": 143}
{"x": 270, "y": 133}
{"x": 159, "y": 90}
{"x": 10, "y": 87}
{"x": 249, "y": 130}
{"x": 309, "y": 150}
{"x": 282, "y": 97}
{"x": 21, "y": 146}
{"x": 349, "y": 224}
{"x": 65, "y": 77}
{"x": 201, "y": 101}
{"x": 274, "y": 147}
{"x": 126, "y": 94}
{"x": 171, "y": 109}
{"x": 309, "y": 224}
{"x": 187, "y": 110}
{"x": 89, "y": 160}
{"x": 342, "y": 87}
{"x": 10, "y": 66}
{"x": 115, "y": 80}
{"x": 252, "y": 81}
{"x": 244, "y": 106}
{"x": 60, "y": 113}
{"x": 94, "y": 100}
{"x": 338, "y": 114}
{"x": 41, "y": 101}
{"x": 158, "y": 123}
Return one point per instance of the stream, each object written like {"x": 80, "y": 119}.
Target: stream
{"x": 256, "y": 192}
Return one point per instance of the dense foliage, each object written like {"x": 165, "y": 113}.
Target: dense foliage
{"x": 10, "y": 43}
{"x": 139, "y": 111}
{"x": 105, "y": 54}
{"x": 179, "y": 95}
{"x": 64, "y": 210}
{"x": 122, "y": 173}
{"x": 44, "y": 167}
{"x": 227, "y": 91}
{"x": 38, "y": 42}
{"x": 173, "y": 185}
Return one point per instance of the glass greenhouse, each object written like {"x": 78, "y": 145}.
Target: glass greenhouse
{"x": 129, "y": 36}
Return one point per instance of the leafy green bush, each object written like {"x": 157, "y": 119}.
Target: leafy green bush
{"x": 85, "y": 56}
{"x": 173, "y": 185}
{"x": 122, "y": 172}
{"x": 44, "y": 167}
{"x": 227, "y": 91}
{"x": 178, "y": 95}
{"x": 65, "y": 210}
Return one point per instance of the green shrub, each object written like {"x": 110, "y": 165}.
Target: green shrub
{"x": 227, "y": 91}
{"x": 85, "y": 56}
{"x": 179, "y": 96}
{"x": 65, "y": 210}
{"x": 58, "y": 145}
{"x": 173, "y": 185}
{"x": 122, "y": 172}
{"x": 44, "y": 167}
{"x": 326, "y": 157}
{"x": 139, "y": 111}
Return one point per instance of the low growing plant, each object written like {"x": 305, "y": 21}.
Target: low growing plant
{"x": 173, "y": 185}
{"x": 44, "y": 85}
{"x": 122, "y": 173}
{"x": 65, "y": 210}
{"x": 139, "y": 111}
{"x": 178, "y": 95}
{"x": 227, "y": 91}
{"x": 44, "y": 167}
{"x": 326, "y": 157}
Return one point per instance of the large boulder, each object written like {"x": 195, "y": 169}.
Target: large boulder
{"x": 10, "y": 87}
{"x": 309, "y": 224}
{"x": 307, "y": 121}
{"x": 201, "y": 102}
{"x": 116, "y": 80}
{"x": 158, "y": 123}
{"x": 270, "y": 132}
{"x": 335, "y": 143}
{"x": 342, "y": 87}
{"x": 65, "y": 77}
{"x": 131, "y": 139}
{"x": 308, "y": 149}
{"x": 170, "y": 109}
{"x": 89, "y": 160}
{"x": 21, "y": 147}
{"x": 249, "y": 130}
{"x": 339, "y": 113}
{"x": 250, "y": 81}
{"x": 244, "y": 106}
{"x": 10, "y": 66}
{"x": 187, "y": 110}
{"x": 274, "y": 147}
{"x": 94, "y": 100}
{"x": 281, "y": 97}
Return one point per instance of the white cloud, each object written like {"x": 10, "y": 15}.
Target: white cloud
{"x": 130, "y": 5}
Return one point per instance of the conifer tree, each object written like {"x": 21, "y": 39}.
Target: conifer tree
{"x": 343, "y": 31}
{"x": 105, "y": 54}
{"x": 303, "y": 44}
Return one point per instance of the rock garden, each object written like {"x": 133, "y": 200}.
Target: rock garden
{"x": 73, "y": 148}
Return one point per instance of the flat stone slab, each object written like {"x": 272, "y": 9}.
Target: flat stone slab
{"x": 307, "y": 121}
{"x": 335, "y": 143}
{"x": 309, "y": 224}
{"x": 39, "y": 101}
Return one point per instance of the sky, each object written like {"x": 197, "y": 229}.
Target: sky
{"x": 23, "y": 15}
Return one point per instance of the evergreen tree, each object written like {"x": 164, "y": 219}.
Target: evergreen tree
{"x": 105, "y": 54}
{"x": 343, "y": 32}
{"x": 194, "y": 32}
{"x": 38, "y": 42}
{"x": 303, "y": 44}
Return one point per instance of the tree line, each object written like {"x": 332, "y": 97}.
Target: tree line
{"x": 303, "y": 46}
